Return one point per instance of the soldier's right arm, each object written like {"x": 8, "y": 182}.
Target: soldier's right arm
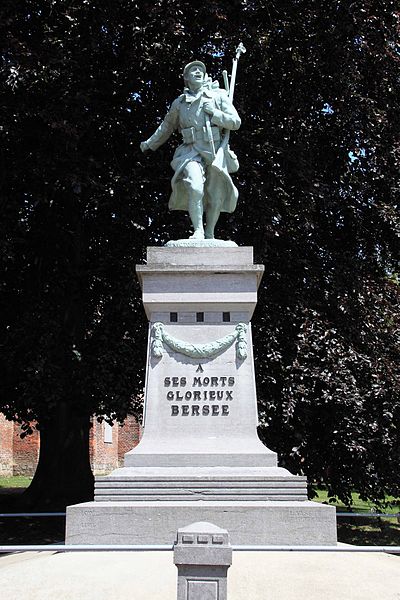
{"x": 167, "y": 127}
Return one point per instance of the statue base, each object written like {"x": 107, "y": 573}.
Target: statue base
{"x": 200, "y": 458}
{"x": 192, "y": 243}
{"x": 248, "y": 522}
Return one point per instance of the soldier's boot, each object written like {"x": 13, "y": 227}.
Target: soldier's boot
{"x": 213, "y": 208}
{"x": 196, "y": 215}
{"x": 212, "y": 216}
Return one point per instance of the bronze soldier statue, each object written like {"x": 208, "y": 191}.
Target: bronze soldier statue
{"x": 204, "y": 115}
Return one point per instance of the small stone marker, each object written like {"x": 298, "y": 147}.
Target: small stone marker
{"x": 203, "y": 555}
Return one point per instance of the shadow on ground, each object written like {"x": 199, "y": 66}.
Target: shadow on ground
{"x": 369, "y": 531}
{"x": 27, "y": 530}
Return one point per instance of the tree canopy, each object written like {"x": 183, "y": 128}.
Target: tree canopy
{"x": 83, "y": 83}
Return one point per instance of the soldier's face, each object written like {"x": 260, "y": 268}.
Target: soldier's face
{"x": 195, "y": 76}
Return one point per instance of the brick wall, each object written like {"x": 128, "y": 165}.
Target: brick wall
{"x": 103, "y": 454}
{"x": 6, "y": 446}
{"x": 129, "y": 435}
{"x": 106, "y": 456}
{"x": 107, "y": 447}
{"x": 25, "y": 452}
{"x": 17, "y": 456}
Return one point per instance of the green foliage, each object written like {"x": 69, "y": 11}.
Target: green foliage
{"x": 84, "y": 83}
{"x": 73, "y": 230}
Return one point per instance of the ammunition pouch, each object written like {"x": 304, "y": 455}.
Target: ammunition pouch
{"x": 191, "y": 135}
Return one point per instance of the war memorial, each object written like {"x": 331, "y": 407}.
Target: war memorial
{"x": 200, "y": 458}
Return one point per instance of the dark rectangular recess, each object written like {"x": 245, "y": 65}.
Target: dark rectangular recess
{"x": 200, "y": 317}
{"x": 226, "y": 317}
{"x": 173, "y": 317}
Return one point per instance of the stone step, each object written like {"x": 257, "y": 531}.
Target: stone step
{"x": 200, "y": 484}
{"x": 188, "y": 488}
{"x": 200, "y": 496}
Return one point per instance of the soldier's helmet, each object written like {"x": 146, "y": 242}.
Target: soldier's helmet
{"x": 194, "y": 63}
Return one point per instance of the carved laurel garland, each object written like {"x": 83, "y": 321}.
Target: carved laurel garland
{"x": 159, "y": 337}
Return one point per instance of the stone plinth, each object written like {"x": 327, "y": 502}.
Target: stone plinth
{"x": 248, "y": 522}
{"x": 200, "y": 457}
{"x": 203, "y": 555}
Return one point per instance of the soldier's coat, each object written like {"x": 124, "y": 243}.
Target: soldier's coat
{"x": 186, "y": 111}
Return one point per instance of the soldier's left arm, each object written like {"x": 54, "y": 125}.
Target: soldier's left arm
{"x": 225, "y": 116}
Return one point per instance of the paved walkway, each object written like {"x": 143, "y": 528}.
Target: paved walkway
{"x": 152, "y": 576}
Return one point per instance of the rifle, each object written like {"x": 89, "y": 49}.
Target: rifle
{"x": 218, "y": 160}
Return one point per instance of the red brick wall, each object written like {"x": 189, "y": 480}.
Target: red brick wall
{"x": 17, "y": 456}
{"x": 6, "y": 446}
{"x": 25, "y": 452}
{"x": 20, "y": 456}
{"x": 128, "y": 437}
{"x": 103, "y": 455}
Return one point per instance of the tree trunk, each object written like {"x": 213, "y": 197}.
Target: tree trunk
{"x": 63, "y": 475}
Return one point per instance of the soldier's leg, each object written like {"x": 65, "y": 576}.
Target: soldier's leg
{"x": 213, "y": 209}
{"x": 193, "y": 178}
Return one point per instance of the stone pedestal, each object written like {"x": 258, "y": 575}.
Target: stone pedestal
{"x": 203, "y": 555}
{"x": 200, "y": 458}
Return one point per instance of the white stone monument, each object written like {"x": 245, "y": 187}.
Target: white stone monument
{"x": 200, "y": 458}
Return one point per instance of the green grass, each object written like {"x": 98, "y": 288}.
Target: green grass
{"x": 368, "y": 530}
{"x": 359, "y": 505}
{"x": 17, "y": 481}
